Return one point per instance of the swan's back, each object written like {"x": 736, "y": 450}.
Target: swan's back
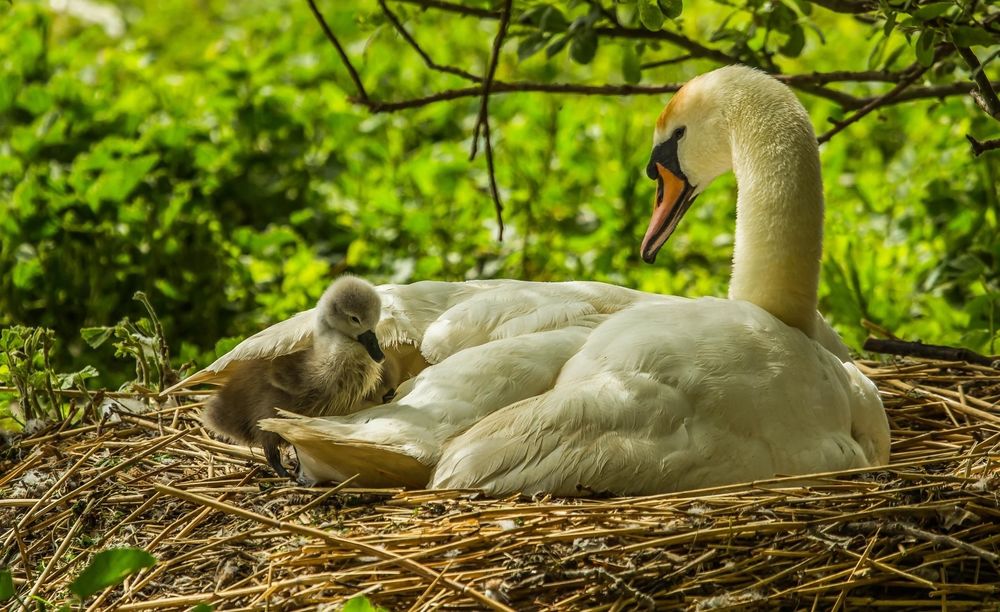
{"x": 675, "y": 395}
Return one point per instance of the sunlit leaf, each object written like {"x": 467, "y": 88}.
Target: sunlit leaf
{"x": 925, "y": 47}
{"x": 583, "y": 47}
{"x": 631, "y": 70}
{"x": 932, "y": 11}
{"x": 650, "y": 14}
{"x": 108, "y": 568}
{"x": 7, "y": 591}
{"x": 965, "y": 36}
{"x": 796, "y": 41}
{"x": 96, "y": 336}
{"x": 361, "y": 604}
{"x": 672, "y": 9}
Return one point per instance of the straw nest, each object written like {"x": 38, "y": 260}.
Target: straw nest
{"x": 922, "y": 533}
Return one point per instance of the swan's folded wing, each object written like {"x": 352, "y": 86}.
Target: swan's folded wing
{"x": 327, "y": 453}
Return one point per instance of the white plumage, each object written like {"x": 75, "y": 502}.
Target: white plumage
{"x": 570, "y": 388}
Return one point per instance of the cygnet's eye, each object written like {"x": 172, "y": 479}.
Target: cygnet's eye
{"x": 355, "y": 320}
{"x": 678, "y": 133}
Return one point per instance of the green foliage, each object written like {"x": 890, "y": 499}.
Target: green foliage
{"x": 7, "y": 591}
{"x": 361, "y": 603}
{"x": 108, "y": 568}
{"x": 25, "y": 363}
{"x": 212, "y": 159}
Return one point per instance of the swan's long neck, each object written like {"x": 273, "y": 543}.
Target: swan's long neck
{"x": 779, "y": 210}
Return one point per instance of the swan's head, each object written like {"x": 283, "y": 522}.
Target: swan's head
{"x": 351, "y": 306}
{"x": 690, "y": 148}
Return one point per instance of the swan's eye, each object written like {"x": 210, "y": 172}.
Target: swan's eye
{"x": 678, "y": 133}
{"x": 355, "y": 320}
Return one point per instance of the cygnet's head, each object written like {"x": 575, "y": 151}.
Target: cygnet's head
{"x": 352, "y": 307}
{"x": 692, "y": 141}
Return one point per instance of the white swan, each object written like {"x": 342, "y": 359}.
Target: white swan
{"x": 568, "y": 388}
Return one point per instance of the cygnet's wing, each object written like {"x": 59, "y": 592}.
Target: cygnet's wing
{"x": 407, "y": 310}
{"x": 289, "y": 336}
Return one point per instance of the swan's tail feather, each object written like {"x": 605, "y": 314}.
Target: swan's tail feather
{"x": 326, "y": 456}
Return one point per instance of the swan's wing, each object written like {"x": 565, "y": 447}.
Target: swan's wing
{"x": 441, "y": 402}
{"x": 325, "y": 456}
{"x": 830, "y": 339}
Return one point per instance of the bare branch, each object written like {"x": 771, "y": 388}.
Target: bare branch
{"x": 880, "y": 101}
{"x": 825, "y": 78}
{"x": 984, "y": 94}
{"x": 483, "y": 121}
{"x": 981, "y": 146}
{"x": 420, "y": 51}
{"x": 666, "y": 62}
{"x": 615, "y": 31}
{"x": 362, "y": 94}
{"x": 852, "y": 7}
{"x": 930, "y": 91}
{"x": 452, "y": 7}
{"x": 377, "y": 106}
{"x": 678, "y": 40}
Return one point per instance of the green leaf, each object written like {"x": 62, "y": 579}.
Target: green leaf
{"x": 96, "y": 336}
{"x": 584, "y": 46}
{"x": 6, "y": 585}
{"x": 890, "y": 23}
{"x": 631, "y": 69}
{"x": 924, "y": 48}
{"x": 650, "y": 15}
{"x": 553, "y": 20}
{"x": 108, "y": 568}
{"x": 932, "y": 11}
{"x": 796, "y": 40}
{"x": 361, "y": 604}
{"x": 546, "y": 18}
{"x": 671, "y": 8}
{"x": 202, "y": 607}
{"x": 557, "y": 45}
{"x": 965, "y": 36}
{"x": 530, "y": 45}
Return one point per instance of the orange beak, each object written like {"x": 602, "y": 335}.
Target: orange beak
{"x": 673, "y": 197}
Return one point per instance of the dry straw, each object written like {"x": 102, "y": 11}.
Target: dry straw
{"x": 922, "y": 533}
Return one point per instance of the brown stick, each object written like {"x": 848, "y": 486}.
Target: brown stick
{"x": 928, "y": 351}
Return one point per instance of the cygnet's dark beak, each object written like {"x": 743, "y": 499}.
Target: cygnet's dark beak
{"x": 370, "y": 342}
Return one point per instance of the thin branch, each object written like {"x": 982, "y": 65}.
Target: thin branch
{"x": 452, "y": 7}
{"x": 838, "y": 76}
{"x": 420, "y": 51}
{"x": 362, "y": 94}
{"x": 930, "y": 91}
{"x": 877, "y": 102}
{"x": 851, "y": 7}
{"x": 491, "y": 70}
{"x": 483, "y": 121}
{"x": 377, "y": 106}
{"x": 981, "y": 146}
{"x": 843, "y": 99}
{"x": 984, "y": 94}
{"x": 678, "y": 40}
{"x": 666, "y": 62}
{"x": 615, "y": 31}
